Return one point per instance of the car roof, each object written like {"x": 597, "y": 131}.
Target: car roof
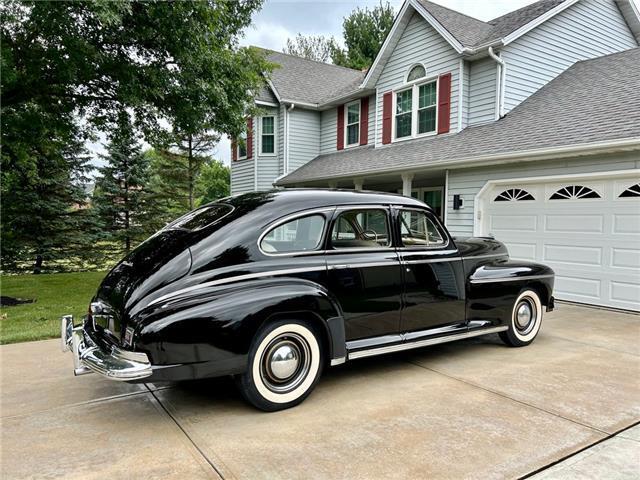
{"x": 303, "y": 198}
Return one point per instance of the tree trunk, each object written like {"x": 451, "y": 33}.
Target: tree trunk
{"x": 190, "y": 172}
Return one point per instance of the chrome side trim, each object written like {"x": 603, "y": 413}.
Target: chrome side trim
{"x": 490, "y": 255}
{"x": 341, "y": 266}
{"x": 236, "y": 278}
{"x": 432, "y": 260}
{"x": 510, "y": 279}
{"x": 423, "y": 343}
{"x": 338, "y": 361}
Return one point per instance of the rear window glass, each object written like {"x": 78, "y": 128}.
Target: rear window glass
{"x": 298, "y": 235}
{"x": 200, "y": 218}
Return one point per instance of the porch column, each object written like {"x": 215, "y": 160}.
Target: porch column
{"x": 407, "y": 179}
{"x": 333, "y": 184}
{"x": 358, "y": 183}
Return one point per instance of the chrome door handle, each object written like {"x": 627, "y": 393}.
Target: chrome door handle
{"x": 338, "y": 267}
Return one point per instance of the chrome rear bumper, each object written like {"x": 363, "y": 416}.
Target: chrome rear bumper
{"x": 116, "y": 364}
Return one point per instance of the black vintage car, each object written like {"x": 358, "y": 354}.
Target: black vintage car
{"x": 272, "y": 287}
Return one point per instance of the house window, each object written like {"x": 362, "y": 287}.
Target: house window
{"x": 427, "y": 108}
{"x": 416, "y": 110}
{"x": 632, "y": 191}
{"x": 404, "y": 103}
{"x": 242, "y": 146}
{"x": 416, "y": 72}
{"x": 513, "y": 195}
{"x": 268, "y": 136}
{"x": 353, "y": 123}
{"x": 574, "y": 192}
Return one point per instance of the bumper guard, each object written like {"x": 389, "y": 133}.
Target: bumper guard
{"x": 116, "y": 364}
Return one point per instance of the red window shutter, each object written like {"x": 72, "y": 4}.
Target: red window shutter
{"x": 364, "y": 120}
{"x": 444, "y": 103}
{"x": 234, "y": 150}
{"x": 340, "y": 132}
{"x": 249, "y": 137}
{"x": 387, "y": 106}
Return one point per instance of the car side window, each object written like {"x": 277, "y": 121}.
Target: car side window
{"x": 417, "y": 229}
{"x": 299, "y": 235}
{"x": 361, "y": 228}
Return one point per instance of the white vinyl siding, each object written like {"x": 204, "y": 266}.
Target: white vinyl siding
{"x": 588, "y": 29}
{"x": 468, "y": 182}
{"x": 304, "y": 137}
{"x": 482, "y": 91}
{"x": 242, "y": 176}
{"x": 419, "y": 43}
{"x": 329, "y": 126}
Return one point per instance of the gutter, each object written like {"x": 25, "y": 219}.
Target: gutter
{"x": 501, "y": 81}
{"x": 583, "y": 149}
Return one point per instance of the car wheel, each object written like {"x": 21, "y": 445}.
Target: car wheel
{"x": 285, "y": 363}
{"x": 526, "y": 318}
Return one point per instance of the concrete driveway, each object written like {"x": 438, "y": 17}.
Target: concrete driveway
{"x": 472, "y": 409}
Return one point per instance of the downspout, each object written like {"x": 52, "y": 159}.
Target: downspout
{"x": 286, "y": 137}
{"x": 501, "y": 81}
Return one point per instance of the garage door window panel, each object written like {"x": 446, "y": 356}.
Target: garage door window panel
{"x": 513, "y": 195}
{"x": 632, "y": 191}
{"x": 574, "y": 192}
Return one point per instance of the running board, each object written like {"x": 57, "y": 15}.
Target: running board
{"x": 423, "y": 343}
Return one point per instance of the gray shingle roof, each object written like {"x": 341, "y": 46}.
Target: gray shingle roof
{"x": 266, "y": 95}
{"x": 593, "y": 101}
{"x": 309, "y": 81}
{"x": 471, "y": 32}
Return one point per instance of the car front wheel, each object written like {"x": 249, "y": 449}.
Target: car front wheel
{"x": 526, "y": 319}
{"x": 285, "y": 363}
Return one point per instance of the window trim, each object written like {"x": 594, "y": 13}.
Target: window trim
{"x": 347, "y": 124}
{"x": 275, "y": 129}
{"x": 435, "y": 220}
{"x": 320, "y": 248}
{"x": 415, "y": 87}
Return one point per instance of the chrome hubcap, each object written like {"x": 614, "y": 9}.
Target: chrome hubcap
{"x": 525, "y": 316}
{"x": 285, "y": 363}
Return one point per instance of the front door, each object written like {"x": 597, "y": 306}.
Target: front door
{"x": 433, "y": 274}
{"x": 364, "y": 271}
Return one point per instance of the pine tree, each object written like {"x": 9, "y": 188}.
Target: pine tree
{"x": 44, "y": 214}
{"x": 121, "y": 197}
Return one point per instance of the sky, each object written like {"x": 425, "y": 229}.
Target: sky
{"x": 280, "y": 19}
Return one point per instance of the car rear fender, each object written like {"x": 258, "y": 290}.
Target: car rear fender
{"x": 228, "y": 317}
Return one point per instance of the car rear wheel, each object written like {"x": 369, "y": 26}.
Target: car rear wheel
{"x": 285, "y": 363}
{"x": 526, "y": 319}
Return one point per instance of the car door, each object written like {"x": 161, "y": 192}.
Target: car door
{"x": 434, "y": 294}
{"x": 364, "y": 271}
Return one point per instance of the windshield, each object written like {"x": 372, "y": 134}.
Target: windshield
{"x": 200, "y": 218}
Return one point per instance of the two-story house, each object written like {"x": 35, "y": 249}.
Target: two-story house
{"x": 526, "y": 127}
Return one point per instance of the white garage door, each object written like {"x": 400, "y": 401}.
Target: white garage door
{"x": 588, "y": 231}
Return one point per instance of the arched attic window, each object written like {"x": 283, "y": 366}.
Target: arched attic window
{"x": 416, "y": 72}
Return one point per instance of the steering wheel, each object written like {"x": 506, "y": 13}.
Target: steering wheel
{"x": 375, "y": 235}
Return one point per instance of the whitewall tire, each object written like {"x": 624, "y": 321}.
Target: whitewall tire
{"x": 526, "y": 319}
{"x": 285, "y": 363}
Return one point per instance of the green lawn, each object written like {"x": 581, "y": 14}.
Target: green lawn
{"x": 55, "y": 294}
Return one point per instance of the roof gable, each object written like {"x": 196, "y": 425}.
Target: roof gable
{"x": 593, "y": 105}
